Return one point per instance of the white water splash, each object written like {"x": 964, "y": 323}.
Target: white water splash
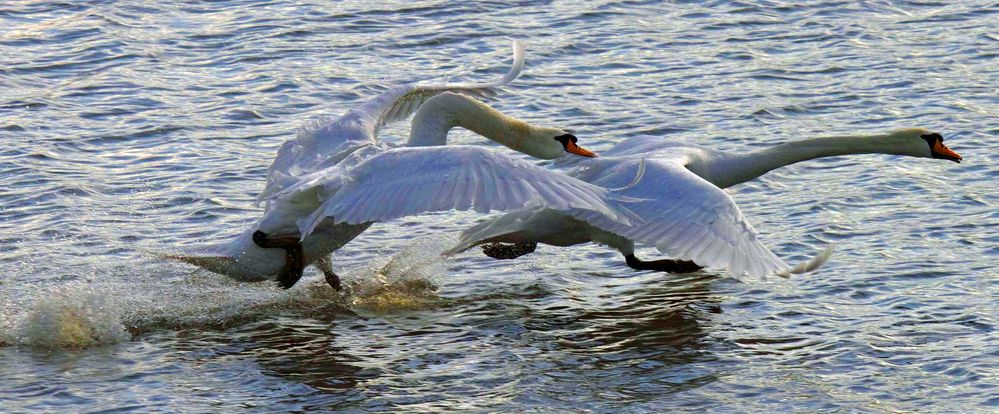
{"x": 88, "y": 313}
{"x": 405, "y": 280}
{"x": 74, "y": 315}
{"x": 118, "y": 305}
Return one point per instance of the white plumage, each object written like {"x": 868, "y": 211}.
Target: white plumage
{"x": 324, "y": 143}
{"x": 685, "y": 216}
{"x": 680, "y": 206}
{"x": 407, "y": 181}
{"x": 334, "y": 179}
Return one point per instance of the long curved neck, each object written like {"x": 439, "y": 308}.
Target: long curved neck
{"x": 735, "y": 169}
{"x": 441, "y": 113}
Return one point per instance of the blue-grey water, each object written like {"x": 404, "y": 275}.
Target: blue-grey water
{"x": 131, "y": 127}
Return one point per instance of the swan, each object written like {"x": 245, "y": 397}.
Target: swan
{"x": 334, "y": 179}
{"x": 682, "y": 209}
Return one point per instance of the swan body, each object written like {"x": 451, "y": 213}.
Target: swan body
{"x": 335, "y": 179}
{"x": 681, "y": 207}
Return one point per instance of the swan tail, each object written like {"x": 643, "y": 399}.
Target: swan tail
{"x": 472, "y": 237}
{"x": 457, "y": 249}
{"x": 810, "y": 265}
{"x": 503, "y": 229}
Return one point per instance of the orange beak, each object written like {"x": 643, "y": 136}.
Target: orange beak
{"x": 576, "y": 149}
{"x": 940, "y": 149}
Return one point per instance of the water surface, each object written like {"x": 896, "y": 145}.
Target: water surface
{"x": 127, "y": 128}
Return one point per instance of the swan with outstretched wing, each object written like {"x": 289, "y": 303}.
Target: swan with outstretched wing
{"x": 680, "y": 206}
{"x": 335, "y": 179}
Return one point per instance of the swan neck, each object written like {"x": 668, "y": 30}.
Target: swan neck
{"x": 438, "y": 115}
{"x": 755, "y": 164}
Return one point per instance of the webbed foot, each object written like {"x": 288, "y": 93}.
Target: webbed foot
{"x": 504, "y": 251}
{"x": 326, "y": 267}
{"x": 665, "y": 265}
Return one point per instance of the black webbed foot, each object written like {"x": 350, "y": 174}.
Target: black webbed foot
{"x": 332, "y": 279}
{"x": 665, "y": 265}
{"x": 503, "y": 251}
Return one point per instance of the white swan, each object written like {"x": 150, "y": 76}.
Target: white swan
{"x": 684, "y": 212}
{"x": 330, "y": 183}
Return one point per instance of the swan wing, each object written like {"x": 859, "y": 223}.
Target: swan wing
{"x": 400, "y": 102}
{"x": 325, "y": 142}
{"x": 408, "y": 181}
{"x": 685, "y": 217}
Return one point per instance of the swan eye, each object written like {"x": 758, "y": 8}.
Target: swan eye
{"x": 932, "y": 138}
{"x": 565, "y": 139}
{"x": 568, "y": 142}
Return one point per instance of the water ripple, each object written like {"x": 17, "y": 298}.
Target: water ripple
{"x": 134, "y": 128}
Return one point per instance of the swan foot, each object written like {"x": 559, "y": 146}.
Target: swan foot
{"x": 665, "y": 265}
{"x": 294, "y": 260}
{"x": 503, "y": 251}
{"x": 326, "y": 267}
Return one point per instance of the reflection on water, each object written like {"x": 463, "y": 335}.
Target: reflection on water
{"x": 654, "y": 315}
{"x": 300, "y": 351}
{"x": 508, "y": 346}
{"x": 127, "y": 128}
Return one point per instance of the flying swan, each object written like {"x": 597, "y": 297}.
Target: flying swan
{"x": 682, "y": 210}
{"x": 334, "y": 180}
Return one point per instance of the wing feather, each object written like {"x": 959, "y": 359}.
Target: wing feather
{"x": 686, "y": 217}
{"x": 463, "y": 201}
{"x": 399, "y": 103}
{"x": 487, "y": 188}
{"x": 325, "y": 142}
{"x": 404, "y": 181}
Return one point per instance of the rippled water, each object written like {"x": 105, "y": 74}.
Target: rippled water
{"x": 128, "y": 128}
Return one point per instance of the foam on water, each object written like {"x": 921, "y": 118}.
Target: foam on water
{"x": 117, "y": 307}
{"x": 83, "y": 314}
{"x": 73, "y": 315}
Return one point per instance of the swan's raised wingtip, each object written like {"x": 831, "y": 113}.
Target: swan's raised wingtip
{"x": 519, "y": 61}
{"x": 816, "y": 262}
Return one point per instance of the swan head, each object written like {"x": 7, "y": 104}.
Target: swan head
{"x": 920, "y": 142}
{"x": 552, "y": 143}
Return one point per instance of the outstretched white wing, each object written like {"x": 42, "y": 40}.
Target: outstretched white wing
{"x": 324, "y": 143}
{"x": 685, "y": 217}
{"x": 399, "y": 103}
{"x": 409, "y": 181}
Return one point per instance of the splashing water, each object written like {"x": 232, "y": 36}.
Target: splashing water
{"x": 84, "y": 314}
{"x": 121, "y": 129}
{"x": 75, "y": 315}
{"x": 88, "y": 313}
{"x": 404, "y": 282}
